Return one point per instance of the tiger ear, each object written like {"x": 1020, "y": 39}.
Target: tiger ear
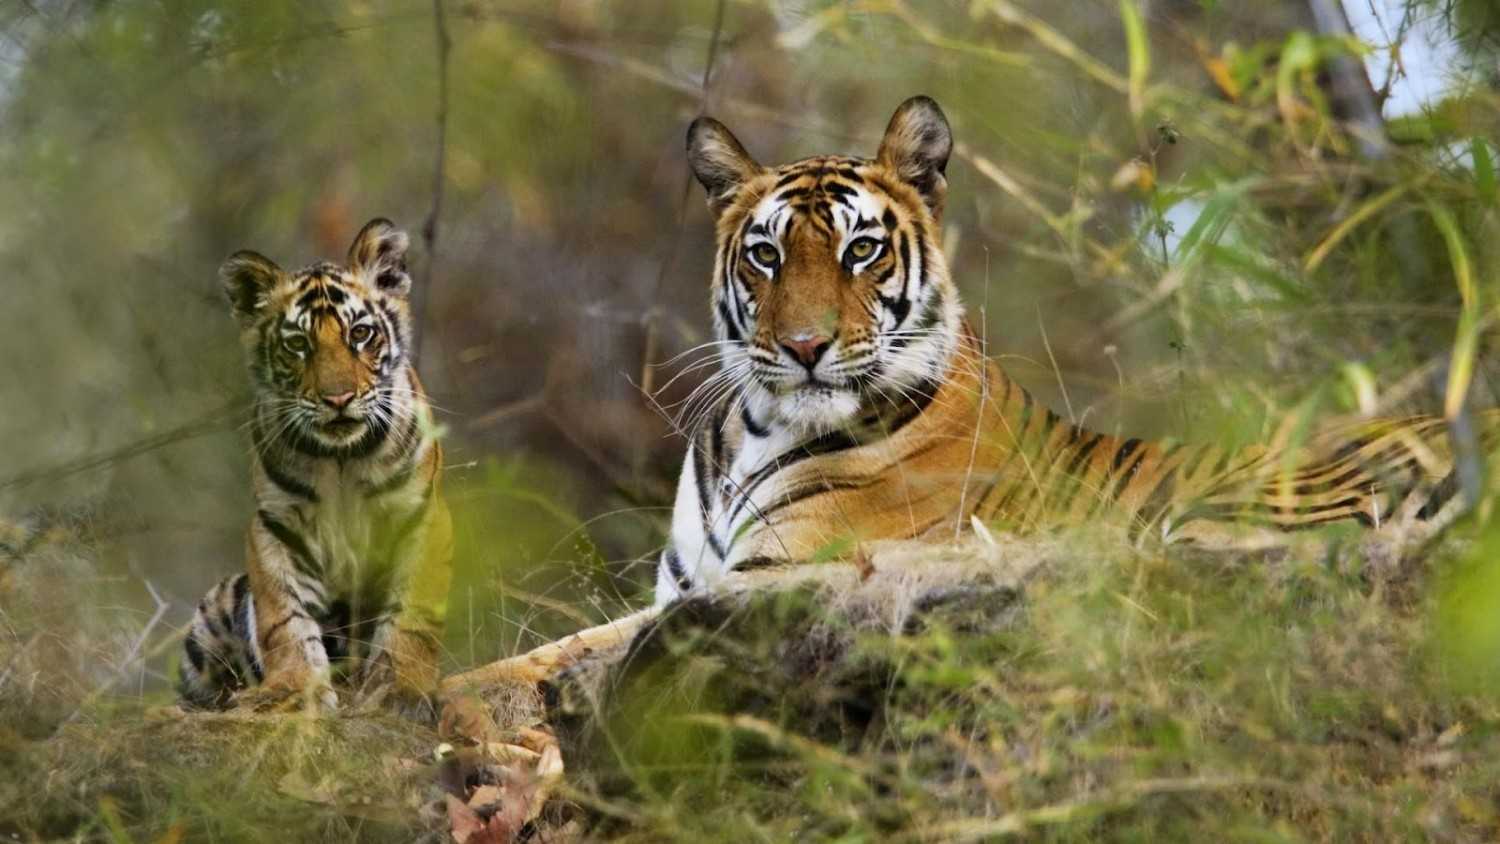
{"x": 379, "y": 254}
{"x": 248, "y": 278}
{"x": 719, "y": 161}
{"x": 916, "y": 146}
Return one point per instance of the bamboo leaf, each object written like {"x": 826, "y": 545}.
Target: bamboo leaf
{"x": 1484, "y": 170}
{"x": 1139, "y": 52}
{"x": 1458, "y": 253}
{"x": 1461, "y": 365}
{"x": 1350, "y": 223}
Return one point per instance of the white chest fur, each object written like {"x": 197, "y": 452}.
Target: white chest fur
{"x": 347, "y": 528}
{"x": 709, "y": 543}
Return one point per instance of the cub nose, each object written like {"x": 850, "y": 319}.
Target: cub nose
{"x": 807, "y": 348}
{"x": 338, "y": 401}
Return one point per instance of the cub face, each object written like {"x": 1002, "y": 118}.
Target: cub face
{"x": 829, "y": 282}
{"x": 325, "y": 343}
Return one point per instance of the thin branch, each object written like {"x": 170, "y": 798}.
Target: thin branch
{"x": 652, "y": 318}
{"x": 208, "y": 423}
{"x": 430, "y": 225}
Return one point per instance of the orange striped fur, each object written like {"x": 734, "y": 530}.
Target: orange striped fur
{"x": 853, "y": 403}
{"x": 349, "y": 552}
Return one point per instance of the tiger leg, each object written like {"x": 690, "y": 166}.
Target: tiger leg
{"x": 543, "y": 661}
{"x": 220, "y": 654}
{"x": 407, "y": 646}
{"x": 290, "y": 640}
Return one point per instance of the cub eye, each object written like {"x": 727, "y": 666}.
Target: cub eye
{"x": 295, "y": 343}
{"x": 765, "y": 254}
{"x": 360, "y": 333}
{"x": 861, "y": 249}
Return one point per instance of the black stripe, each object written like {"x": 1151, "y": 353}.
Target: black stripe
{"x": 404, "y": 458}
{"x": 286, "y": 482}
{"x": 1160, "y": 497}
{"x": 397, "y": 328}
{"x": 1119, "y": 479}
{"x": 312, "y": 297}
{"x": 1362, "y": 471}
{"x": 207, "y": 616}
{"x": 302, "y": 556}
{"x": 731, "y": 331}
{"x": 829, "y": 443}
{"x": 911, "y": 404}
{"x": 1019, "y": 438}
{"x": 902, "y": 306}
{"x": 376, "y": 431}
{"x": 753, "y": 428}
{"x": 701, "y": 480}
{"x": 716, "y": 437}
{"x": 1070, "y": 481}
{"x": 296, "y": 613}
{"x": 675, "y": 569}
{"x": 195, "y": 654}
{"x": 812, "y": 489}
{"x": 243, "y": 603}
{"x": 1441, "y": 494}
{"x": 1260, "y": 513}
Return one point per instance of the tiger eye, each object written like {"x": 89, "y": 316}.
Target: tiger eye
{"x": 296, "y": 343}
{"x": 360, "y": 333}
{"x": 862, "y": 249}
{"x": 765, "y": 254}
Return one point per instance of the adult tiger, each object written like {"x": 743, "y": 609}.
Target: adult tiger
{"x": 858, "y": 405}
{"x": 350, "y": 549}
{"x": 863, "y": 406}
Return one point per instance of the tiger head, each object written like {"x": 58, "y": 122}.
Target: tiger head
{"x": 327, "y": 345}
{"x": 830, "y": 286}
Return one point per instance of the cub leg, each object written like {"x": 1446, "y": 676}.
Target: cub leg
{"x": 290, "y": 641}
{"x": 220, "y": 654}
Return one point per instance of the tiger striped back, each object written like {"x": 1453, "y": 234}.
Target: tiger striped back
{"x": 853, "y": 403}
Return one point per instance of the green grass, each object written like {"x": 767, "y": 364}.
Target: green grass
{"x": 1135, "y": 696}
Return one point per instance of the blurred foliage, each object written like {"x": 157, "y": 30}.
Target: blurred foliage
{"x": 1168, "y": 217}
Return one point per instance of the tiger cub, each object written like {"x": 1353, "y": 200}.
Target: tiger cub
{"x": 859, "y": 405}
{"x": 350, "y": 550}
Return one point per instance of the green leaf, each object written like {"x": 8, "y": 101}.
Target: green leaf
{"x": 1465, "y": 345}
{"x": 1484, "y": 170}
{"x": 1139, "y": 52}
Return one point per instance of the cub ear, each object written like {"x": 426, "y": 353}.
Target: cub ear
{"x": 248, "y": 278}
{"x": 379, "y": 254}
{"x": 719, "y": 161}
{"x": 916, "y": 146}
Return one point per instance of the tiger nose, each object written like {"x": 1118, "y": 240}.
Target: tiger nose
{"x": 338, "y": 401}
{"x": 807, "y": 348}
